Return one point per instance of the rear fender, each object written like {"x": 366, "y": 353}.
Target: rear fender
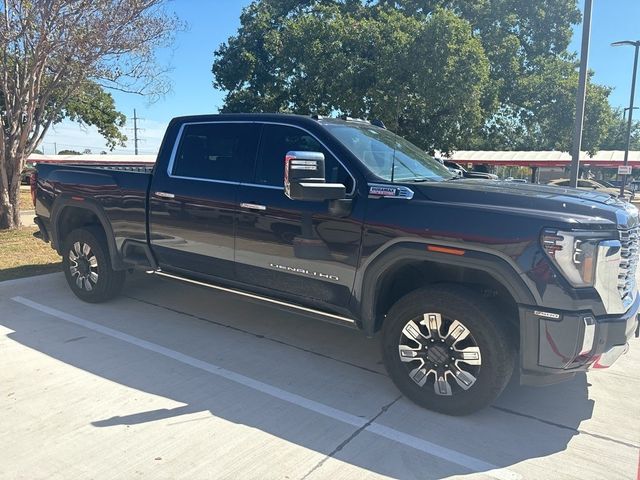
{"x": 62, "y": 203}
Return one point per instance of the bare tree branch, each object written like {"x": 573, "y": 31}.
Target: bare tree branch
{"x": 50, "y": 49}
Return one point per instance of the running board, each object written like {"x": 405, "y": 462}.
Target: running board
{"x": 329, "y": 317}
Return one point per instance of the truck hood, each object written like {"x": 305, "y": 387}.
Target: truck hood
{"x": 567, "y": 205}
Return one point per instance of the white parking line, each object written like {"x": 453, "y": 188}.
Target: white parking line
{"x": 471, "y": 463}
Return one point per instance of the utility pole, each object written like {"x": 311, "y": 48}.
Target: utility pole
{"x": 582, "y": 93}
{"x": 635, "y": 44}
{"x": 135, "y": 131}
{"x": 55, "y": 148}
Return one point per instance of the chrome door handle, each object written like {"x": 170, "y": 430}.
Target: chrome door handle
{"x": 165, "y": 195}
{"x": 253, "y": 206}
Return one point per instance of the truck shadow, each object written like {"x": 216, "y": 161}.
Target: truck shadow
{"x": 524, "y": 423}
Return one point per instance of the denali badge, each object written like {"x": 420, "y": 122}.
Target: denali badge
{"x": 546, "y": 314}
{"x": 382, "y": 191}
{"x": 304, "y": 271}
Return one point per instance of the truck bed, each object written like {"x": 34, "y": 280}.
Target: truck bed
{"x": 116, "y": 194}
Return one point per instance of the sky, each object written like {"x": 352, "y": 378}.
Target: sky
{"x": 210, "y": 23}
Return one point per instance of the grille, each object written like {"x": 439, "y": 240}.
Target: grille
{"x": 630, "y": 240}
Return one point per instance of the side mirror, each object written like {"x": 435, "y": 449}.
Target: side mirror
{"x": 304, "y": 178}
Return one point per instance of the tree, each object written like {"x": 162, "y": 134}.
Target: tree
{"x": 448, "y": 74}
{"x": 56, "y": 59}
{"x": 616, "y": 136}
{"x": 425, "y": 78}
{"x": 541, "y": 116}
{"x": 69, "y": 152}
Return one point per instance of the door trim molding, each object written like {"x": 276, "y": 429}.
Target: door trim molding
{"x": 338, "y": 319}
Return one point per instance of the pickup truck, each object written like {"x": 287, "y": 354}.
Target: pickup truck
{"x": 464, "y": 281}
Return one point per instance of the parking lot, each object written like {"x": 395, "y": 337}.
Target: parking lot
{"x": 171, "y": 381}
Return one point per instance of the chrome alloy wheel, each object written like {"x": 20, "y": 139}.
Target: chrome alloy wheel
{"x": 434, "y": 356}
{"x": 83, "y": 266}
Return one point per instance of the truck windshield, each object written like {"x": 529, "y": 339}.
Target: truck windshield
{"x": 381, "y": 151}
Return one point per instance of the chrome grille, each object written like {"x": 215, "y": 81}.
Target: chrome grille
{"x": 630, "y": 241}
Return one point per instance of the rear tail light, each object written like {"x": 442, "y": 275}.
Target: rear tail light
{"x": 33, "y": 182}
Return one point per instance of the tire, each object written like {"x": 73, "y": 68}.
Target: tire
{"x": 87, "y": 266}
{"x": 476, "y": 377}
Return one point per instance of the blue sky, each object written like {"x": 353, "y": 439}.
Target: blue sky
{"x": 211, "y": 22}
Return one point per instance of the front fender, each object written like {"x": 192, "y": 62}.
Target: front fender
{"x": 370, "y": 275}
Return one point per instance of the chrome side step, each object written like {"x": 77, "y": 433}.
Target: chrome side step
{"x": 311, "y": 311}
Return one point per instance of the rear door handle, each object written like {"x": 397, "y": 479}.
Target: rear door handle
{"x": 253, "y": 206}
{"x": 165, "y": 195}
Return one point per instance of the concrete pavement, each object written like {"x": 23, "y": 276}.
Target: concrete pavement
{"x": 172, "y": 381}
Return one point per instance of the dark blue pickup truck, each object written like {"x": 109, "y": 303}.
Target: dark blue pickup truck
{"x": 464, "y": 279}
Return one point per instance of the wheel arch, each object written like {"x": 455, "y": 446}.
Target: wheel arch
{"x": 69, "y": 214}
{"x": 405, "y": 267}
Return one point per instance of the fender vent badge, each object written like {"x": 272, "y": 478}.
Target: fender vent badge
{"x": 378, "y": 190}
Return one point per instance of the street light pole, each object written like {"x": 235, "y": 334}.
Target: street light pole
{"x": 582, "y": 93}
{"x": 624, "y": 113}
{"x": 635, "y": 44}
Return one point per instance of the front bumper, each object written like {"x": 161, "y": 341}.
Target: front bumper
{"x": 555, "y": 345}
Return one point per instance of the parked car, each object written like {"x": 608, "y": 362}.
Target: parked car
{"x": 456, "y": 171}
{"x": 516, "y": 180}
{"x": 585, "y": 184}
{"x": 631, "y": 184}
{"x": 347, "y": 222}
{"x": 468, "y": 173}
{"x": 26, "y": 172}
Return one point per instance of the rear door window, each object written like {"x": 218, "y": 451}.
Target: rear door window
{"x": 214, "y": 151}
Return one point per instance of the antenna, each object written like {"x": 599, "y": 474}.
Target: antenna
{"x": 393, "y": 163}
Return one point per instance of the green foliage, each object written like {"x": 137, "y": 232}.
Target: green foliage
{"x": 425, "y": 78}
{"x": 69, "y": 152}
{"x": 616, "y": 136}
{"x": 541, "y": 115}
{"x": 447, "y": 74}
{"x": 88, "y": 105}
{"x": 93, "y": 106}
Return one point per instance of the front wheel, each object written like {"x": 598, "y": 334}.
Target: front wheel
{"x": 87, "y": 266}
{"x": 447, "y": 349}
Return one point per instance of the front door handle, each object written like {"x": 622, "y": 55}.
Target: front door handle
{"x": 253, "y": 206}
{"x": 165, "y": 195}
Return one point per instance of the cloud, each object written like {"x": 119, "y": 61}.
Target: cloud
{"x": 69, "y": 135}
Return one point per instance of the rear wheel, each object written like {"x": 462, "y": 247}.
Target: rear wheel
{"x": 87, "y": 266}
{"x": 447, "y": 350}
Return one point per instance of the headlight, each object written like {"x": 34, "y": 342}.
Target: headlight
{"x": 574, "y": 253}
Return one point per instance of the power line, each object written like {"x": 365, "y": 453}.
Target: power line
{"x": 136, "y": 141}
